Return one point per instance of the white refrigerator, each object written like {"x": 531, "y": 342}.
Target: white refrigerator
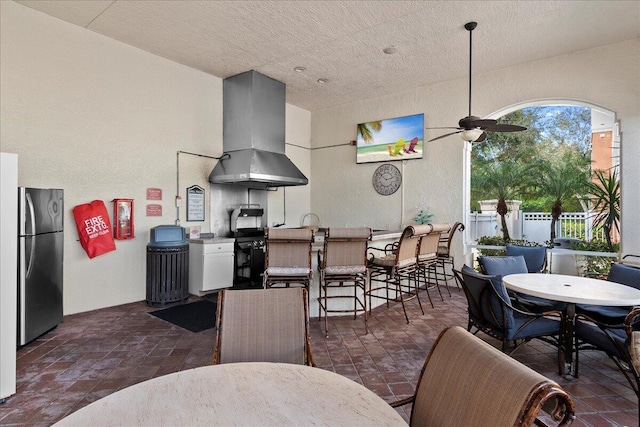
{"x": 8, "y": 269}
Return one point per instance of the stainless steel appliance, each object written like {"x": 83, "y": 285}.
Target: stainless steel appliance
{"x": 246, "y": 227}
{"x": 40, "y": 256}
{"x": 253, "y": 134}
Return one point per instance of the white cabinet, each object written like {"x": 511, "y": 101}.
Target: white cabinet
{"x": 210, "y": 265}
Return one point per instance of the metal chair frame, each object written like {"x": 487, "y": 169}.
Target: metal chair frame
{"x": 484, "y": 317}
{"x": 343, "y": 264}
{"x": 444, "y": 256}
{"x": 397, "y": 265}
{"x": 288, "y": 250}
{"x": 427, "y": 256}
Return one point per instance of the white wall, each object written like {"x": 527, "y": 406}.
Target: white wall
{"x": 104, "y": 120}
{"x": 295, "y": 199}
{"x": 342, "y": 191}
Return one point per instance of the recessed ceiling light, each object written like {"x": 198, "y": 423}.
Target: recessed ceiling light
{"x": 299, "y": 69}
{"x": 322, "y": 81}
{"x": 390, "y": 50}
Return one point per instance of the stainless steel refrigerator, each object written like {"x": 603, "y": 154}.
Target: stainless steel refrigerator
{"x": 40, "y": 255}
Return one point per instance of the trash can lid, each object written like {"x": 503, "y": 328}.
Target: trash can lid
{"x": 168, "y": 235}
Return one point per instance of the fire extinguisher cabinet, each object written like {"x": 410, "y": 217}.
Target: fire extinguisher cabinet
{"x": 167, "y": 265}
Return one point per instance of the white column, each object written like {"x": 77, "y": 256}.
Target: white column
{"x": 8, "y": 272}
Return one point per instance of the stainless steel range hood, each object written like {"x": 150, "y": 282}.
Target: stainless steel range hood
{"x": 253, "y": 107}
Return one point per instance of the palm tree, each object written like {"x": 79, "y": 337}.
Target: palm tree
{"x": 606, "y": 202}
{"x": 503, "y": 181}
{"x": 366, "y": 130}
{"x": 563, "y": 178}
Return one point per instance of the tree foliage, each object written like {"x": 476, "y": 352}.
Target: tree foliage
{"x": 552, "y": 131}
{"x": 546, "y": 166}
{"x": 366, "y": 130}
{"x": 563, "y": 177}
{"x": 606, "y": 203}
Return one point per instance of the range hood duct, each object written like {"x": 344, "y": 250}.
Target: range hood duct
{"x": 253, "y": 114}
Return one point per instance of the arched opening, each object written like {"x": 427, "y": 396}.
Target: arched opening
{"x": 604, "y": 154}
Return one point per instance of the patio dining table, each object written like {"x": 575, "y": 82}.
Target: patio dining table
{"x": 241, "y": 394}
{"x": 572, "y": 290}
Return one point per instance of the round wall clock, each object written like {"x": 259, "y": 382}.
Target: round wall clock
{"x": 387, "y": 179}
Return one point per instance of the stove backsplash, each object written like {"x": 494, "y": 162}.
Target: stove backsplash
{"x": 225, "y": 198}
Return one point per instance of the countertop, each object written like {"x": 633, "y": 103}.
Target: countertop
{"x": 319, "y": 237}
{"x": 212, "y": 241}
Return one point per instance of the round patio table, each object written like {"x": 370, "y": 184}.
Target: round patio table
{"x": 241, "y": 394}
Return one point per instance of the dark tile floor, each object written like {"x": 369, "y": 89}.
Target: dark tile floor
{"x": 97, "y": 353}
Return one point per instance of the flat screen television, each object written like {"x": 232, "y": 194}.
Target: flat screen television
{"x": 399, "y": 138}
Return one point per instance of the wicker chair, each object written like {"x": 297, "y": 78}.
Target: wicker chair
{"x": 467, "y": 382}
{"x": 491, "y": 311}
{"x": 444, "y": 254}
{"x": 343, "y": 264}
{"x": 395, "y": 269}
{"x": 288, "y": 257}
{"x": 263, "y": 325}
{"x": 428, "y": 256}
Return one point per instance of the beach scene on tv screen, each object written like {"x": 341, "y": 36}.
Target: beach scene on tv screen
{"x": 399, "y": 138}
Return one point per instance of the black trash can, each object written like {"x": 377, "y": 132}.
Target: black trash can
{"x": 167, "y": 265}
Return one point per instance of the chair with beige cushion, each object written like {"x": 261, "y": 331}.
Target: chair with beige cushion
{"x": 444, "y": 254}
{"x": 394, "y": 269}
{"x": 467, "y": 382}
{"x": 288, "y": 257}
{"x": 263, "y": 325}
{"x": 343, "y": 265}
{"x": 428, "y": 255}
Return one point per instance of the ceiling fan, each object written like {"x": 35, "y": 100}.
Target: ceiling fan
{"x": 472, "y": 128}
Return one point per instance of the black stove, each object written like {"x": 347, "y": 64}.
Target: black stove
{"x": 246, "y": 223}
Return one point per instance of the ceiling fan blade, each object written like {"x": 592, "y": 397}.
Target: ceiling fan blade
{"x": 483, "y": 123}
{"x": 482, "y": 137}
{"x": 502, "y": 127}
{"x": 444, "y": 136}
{"x": 447, "y": 127}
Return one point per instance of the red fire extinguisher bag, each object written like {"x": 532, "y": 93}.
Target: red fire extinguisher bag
{"x": 94, "y": 228}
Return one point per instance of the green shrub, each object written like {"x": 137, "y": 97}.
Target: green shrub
{"x": 596, "y": 266}
{"x": 499, "y": 241}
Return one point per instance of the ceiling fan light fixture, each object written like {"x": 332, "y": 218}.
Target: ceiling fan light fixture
{"x": 471, "y": 135}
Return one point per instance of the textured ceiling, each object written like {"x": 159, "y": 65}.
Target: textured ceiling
{"x": 342, "y": 41}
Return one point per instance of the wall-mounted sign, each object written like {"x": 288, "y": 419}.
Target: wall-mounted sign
{"x": 154, "y": 193}
{"x": 154, "y": 210}
{"x": 195, "y": 203}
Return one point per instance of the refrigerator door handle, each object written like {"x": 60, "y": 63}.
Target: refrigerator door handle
{"x": 33, "y": 230}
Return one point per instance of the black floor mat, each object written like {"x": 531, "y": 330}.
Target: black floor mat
{"x": 195, "y": 317}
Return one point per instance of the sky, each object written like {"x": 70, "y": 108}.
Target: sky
{"x": 406, "y": 127}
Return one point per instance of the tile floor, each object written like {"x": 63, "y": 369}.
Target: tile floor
{"x": 97, "y": 353}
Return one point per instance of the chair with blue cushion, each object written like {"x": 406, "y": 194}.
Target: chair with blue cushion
{"x": 619, "y": 273}
{"x": 621, "y": 342}
{"x": 534, "y": 256}
{"x": 504, "y": 265}
{"x": 491, "y": 311}
{"x": 609, "y": 329}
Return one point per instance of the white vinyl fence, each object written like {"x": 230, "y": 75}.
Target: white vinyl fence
{"x": 533, "y": 226}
